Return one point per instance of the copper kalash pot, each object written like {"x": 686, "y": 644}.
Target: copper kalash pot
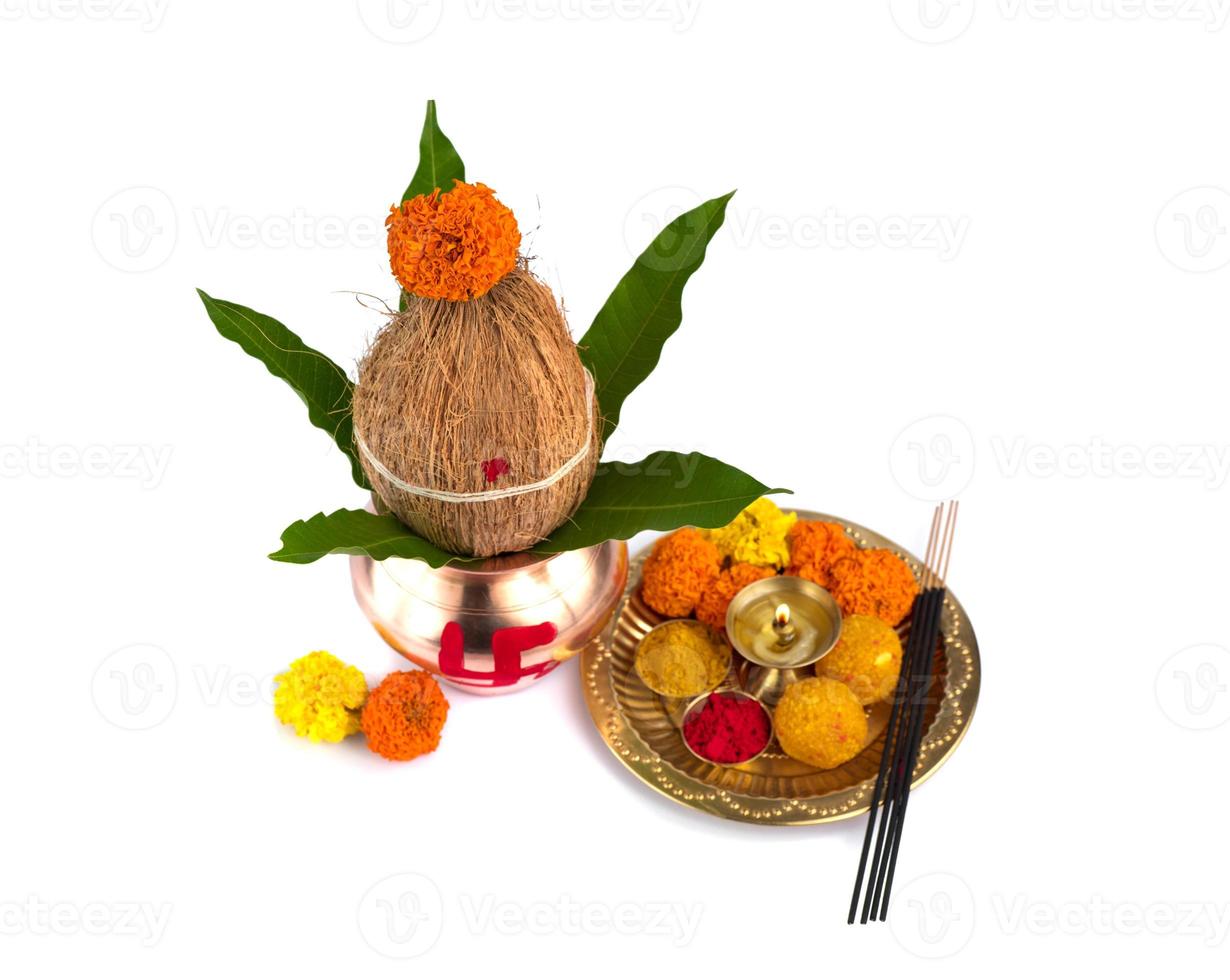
{"x": 493, "y": 626}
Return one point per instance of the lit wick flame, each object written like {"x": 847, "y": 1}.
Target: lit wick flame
{"x": 782, "y": 625}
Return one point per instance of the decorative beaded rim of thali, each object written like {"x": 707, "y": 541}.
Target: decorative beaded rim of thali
{"x": 641, "y": 728}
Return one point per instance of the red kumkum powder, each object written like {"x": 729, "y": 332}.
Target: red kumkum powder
{"x": 727, "y": 729}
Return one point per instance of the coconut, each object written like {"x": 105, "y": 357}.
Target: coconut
{"x": 477, "y": 422}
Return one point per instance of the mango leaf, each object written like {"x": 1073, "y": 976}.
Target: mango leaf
{"x": 356, "y": 532}
{"x": 662, "y": 492}
{"x": 623, "y": 344}
{"x": 439, "y": 162}
{"x": 323, "y": 386}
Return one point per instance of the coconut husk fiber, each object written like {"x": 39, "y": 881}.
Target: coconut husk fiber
{"x": 447, "y": 387}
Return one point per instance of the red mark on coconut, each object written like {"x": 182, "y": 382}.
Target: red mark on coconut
{"x": 493, "y": 469}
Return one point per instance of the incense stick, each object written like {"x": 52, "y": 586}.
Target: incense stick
{"x": 904, "y": 732}
{"x": 915, "y": 740}
{"x": 900, "y": 696}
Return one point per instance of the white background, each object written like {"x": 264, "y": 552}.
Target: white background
{"x": 1070, "y": 330}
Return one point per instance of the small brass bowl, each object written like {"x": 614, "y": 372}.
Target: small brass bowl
{"x": 710, "y": 634}
{"x": 750, "y": 615}
{"x": 696, "y": 704}
{"x": 751, "y": 610}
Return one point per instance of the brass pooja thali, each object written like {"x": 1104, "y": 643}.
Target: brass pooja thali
{"x": 643, "y": 728}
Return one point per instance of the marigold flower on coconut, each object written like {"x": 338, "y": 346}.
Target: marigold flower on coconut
{"x": 730, "y": 582}
{"x": 320, "y": 696}
{"x": 404, "y": 715}
{"x": 677, "y": 571}
{"x": 757, "y": 536}
{"x": 453, "y": 244}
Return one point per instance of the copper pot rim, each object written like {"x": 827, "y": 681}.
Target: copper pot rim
{"x": 501, "y": 565}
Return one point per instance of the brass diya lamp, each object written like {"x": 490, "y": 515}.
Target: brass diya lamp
{"x": 781, "y": 626}
{"x": 496, "y": 625}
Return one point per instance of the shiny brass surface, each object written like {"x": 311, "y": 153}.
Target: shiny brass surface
{"x": 642, "y": 729}
{"x": 812, "y": 615}
{"x": 410, "y": 604}
{"x": 777, "y": 659}
{"x": 768, "y": 684}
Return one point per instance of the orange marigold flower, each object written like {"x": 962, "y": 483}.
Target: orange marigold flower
{"x": 716, "y": 598}
{"x": 814, "y": 547}
{"x": 452, "y": 245}
{"x": 874, "y": 582}
{"x": 677, "y": 571}
{"x": 404, "y": 714}
{"x": 813, "y": 572}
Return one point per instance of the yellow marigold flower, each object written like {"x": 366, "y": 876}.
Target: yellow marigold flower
{"x": 757, "y": 536}
{"x": 453, "y": 245}
{"x": 320, "y": 696}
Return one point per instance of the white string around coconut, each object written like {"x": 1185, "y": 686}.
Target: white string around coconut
{"x": 478, "y": 496}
